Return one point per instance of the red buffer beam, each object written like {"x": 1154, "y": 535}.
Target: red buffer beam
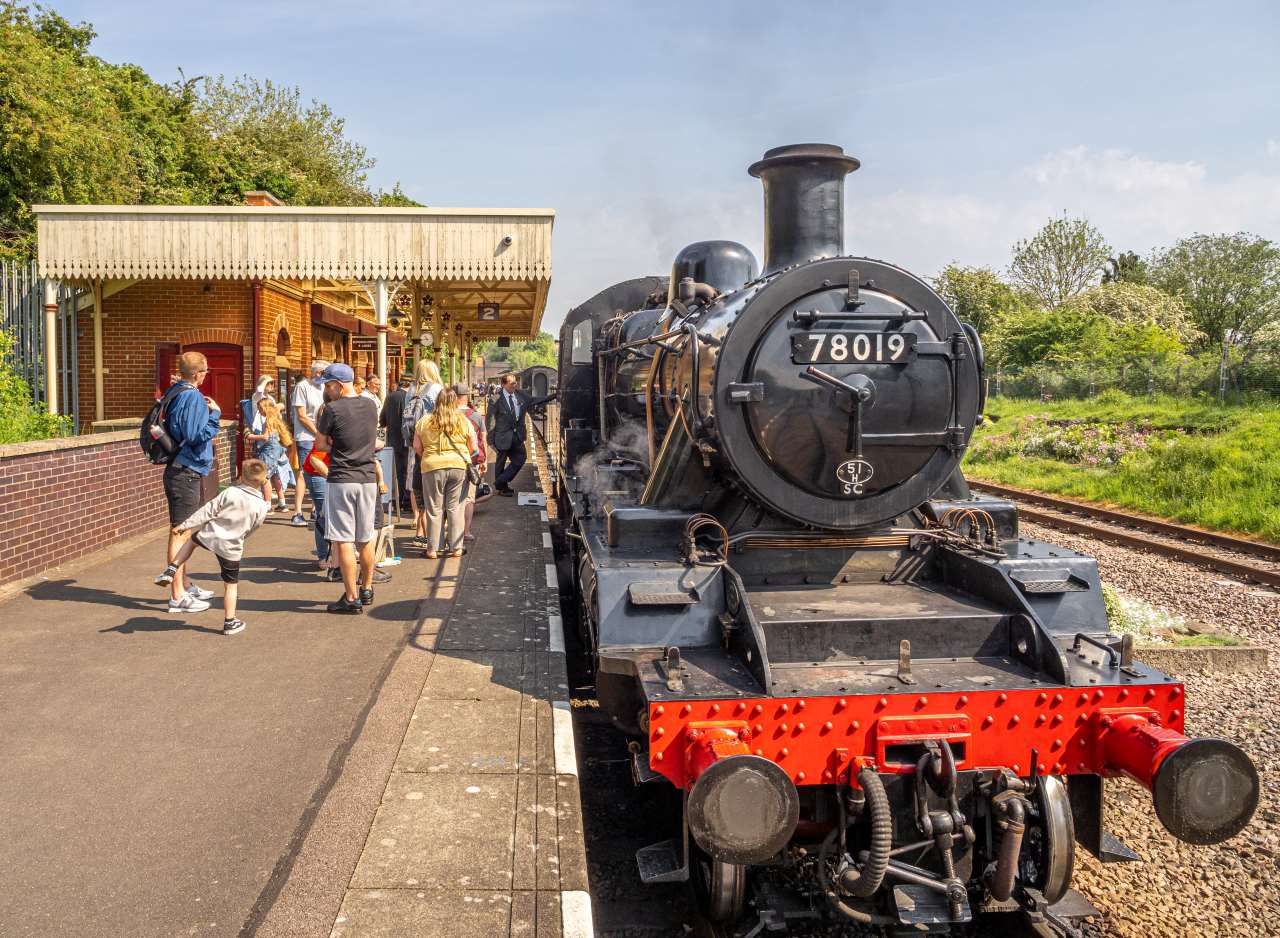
{"x": 817, "y": 740}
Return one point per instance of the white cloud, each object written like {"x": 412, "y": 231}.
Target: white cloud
{"x": 1138, "y": 203}
{"x": 1116, "y": 170}
{"x": 1273, "y": 147}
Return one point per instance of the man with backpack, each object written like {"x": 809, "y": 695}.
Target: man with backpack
{"x": 190, "y": 421}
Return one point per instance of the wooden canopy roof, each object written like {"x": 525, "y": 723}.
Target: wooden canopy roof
{"x": 459, "y": 257}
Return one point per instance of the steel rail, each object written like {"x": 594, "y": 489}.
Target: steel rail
{"x": 1186, "y": 554}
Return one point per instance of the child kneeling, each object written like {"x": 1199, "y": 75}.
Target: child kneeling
{"x": 224, "y": 523}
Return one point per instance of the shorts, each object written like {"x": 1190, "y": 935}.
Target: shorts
{"x": 349, "y": 512}
{"x": 182, "y": 492}
{"x": 302, "y": 452}
{"x": 228, "y": 569}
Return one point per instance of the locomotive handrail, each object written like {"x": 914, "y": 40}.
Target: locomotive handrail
{"x": 807, "y": 317}
{"x": 648, "y": 340}
{"x": 1112, "y": 654}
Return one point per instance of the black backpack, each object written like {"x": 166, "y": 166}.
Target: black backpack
{"x": 416, "y": 406}
{"x": 157, "y": 445}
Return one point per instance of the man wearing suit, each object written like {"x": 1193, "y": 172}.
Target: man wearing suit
{"x": 505, "y": 421}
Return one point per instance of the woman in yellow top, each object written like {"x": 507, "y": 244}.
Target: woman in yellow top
{"x": 445, "y": 441}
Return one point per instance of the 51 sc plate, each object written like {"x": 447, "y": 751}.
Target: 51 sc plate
{"x": 834, "y": 348}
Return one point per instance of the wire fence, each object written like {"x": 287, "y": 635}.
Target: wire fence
{"x": 22, "y": 316}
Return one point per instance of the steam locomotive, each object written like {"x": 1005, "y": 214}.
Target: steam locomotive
{"x": 864, "y": 683}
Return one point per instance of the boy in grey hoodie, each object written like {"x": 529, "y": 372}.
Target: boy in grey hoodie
{"x": 223, "y": 523}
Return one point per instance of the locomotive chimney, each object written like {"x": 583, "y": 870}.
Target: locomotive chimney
{"x": 803, "y": 202}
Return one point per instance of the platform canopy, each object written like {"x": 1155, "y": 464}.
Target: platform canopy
{"x": 488, "y": 269}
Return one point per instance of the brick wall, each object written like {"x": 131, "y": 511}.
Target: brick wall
{"x": 138, "y": 318}
{"x": 62, "y": 499}
{"x": 281, "y": 311}
{"x": 192, "y": 312}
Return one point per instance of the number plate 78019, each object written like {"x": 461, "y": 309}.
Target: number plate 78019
{"x": 879, "y": 348}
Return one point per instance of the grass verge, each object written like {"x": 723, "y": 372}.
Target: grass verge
{"x": 1187, "y": 460}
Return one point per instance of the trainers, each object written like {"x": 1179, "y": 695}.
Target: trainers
{"x": 366, "y": 597}
{"x": 381, "y": 576}
{"x": 298, "y": 521}
{"x": 166, "y": 578}
{"x": 345, "y": 607}
{"x": 232, "y": 626}
{"x": 187, "y": 603}
{"x": 198, "y": 593}
{"x": 333, "y": 575}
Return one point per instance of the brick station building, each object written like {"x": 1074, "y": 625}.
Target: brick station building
{"x": 264, "y": 288}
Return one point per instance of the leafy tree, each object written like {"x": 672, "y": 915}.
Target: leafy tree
{"x": 1125, "y": 267}
{"x": 1114, "y": 325}
{"x": 63, "y": 137}
{"x": 261, "y": 136}
{"x": 977, "y": 295}
{"x": 522, "y": 355}
{"x": 395, "y": 199}
{"x": 1062, "y": 259}
{"x": 76, "y": 129}
{"x": 1033, "y": 335}
{"x": 1229, "y": 282}
{"x": 1130, "y": 305}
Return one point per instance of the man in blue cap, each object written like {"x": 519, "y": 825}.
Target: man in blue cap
{"x": 347, "y": 429}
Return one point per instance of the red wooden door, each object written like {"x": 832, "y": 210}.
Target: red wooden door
{"x": 224, "y": 382}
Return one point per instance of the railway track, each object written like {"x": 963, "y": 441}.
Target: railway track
{"x": 1253, "y": 561}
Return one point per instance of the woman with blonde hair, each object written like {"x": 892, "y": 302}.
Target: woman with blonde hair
{"x": 445, "y": 442}
{"x": 419, "y": 401}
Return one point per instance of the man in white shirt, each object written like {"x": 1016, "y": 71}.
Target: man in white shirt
{"x": 307, "y": 398}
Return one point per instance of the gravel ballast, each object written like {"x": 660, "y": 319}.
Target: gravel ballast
{"x": 1178, "y": 889}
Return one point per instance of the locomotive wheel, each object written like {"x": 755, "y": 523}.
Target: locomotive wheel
{"x": 721, "y": 888}
{"x": 1054, "y": 853}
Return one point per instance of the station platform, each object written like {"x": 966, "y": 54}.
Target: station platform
{"x": 410, "y": 771}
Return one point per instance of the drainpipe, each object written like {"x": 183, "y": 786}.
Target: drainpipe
{"x": 51, "y": 344}
{"x": 257, "y": 330}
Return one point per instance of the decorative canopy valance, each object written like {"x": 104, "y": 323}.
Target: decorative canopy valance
{"x": 88, "y": 242}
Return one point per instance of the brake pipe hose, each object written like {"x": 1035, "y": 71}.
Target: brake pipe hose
{"x": 865, "y": 882}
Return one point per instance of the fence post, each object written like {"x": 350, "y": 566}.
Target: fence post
{"x": 1222, "y": 368}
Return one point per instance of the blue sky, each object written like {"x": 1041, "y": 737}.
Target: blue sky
{"x": 974, "y": 122}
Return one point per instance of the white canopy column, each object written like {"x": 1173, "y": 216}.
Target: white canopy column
{"x": 51, "y": 344}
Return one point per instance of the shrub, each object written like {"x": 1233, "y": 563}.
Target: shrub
{"x": 20, "y": 418}
{"x": 1128, "y": 615}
